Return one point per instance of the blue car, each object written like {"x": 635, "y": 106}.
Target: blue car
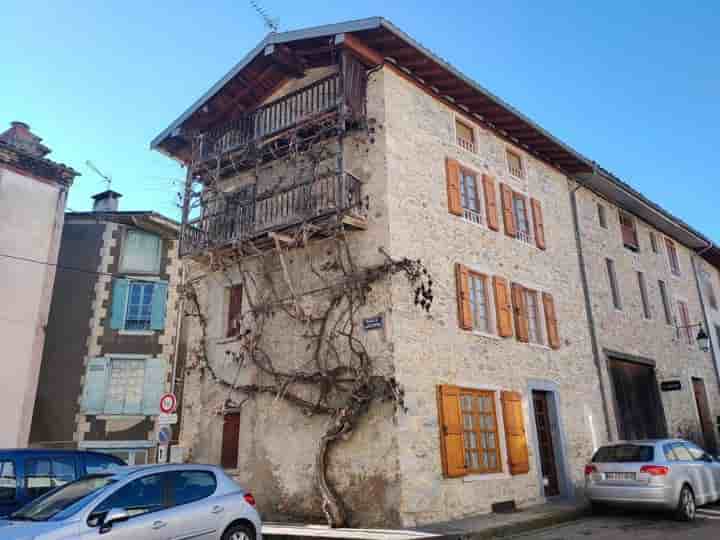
{"x": 26, "y": 474}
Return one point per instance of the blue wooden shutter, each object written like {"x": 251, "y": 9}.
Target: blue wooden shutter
{"x": 119, "y": 298}
{"x": 157, "y": 318}
{"x": 96, "y": 376}
{"x": 154, "y": 385}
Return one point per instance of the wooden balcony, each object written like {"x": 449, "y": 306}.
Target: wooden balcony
{"x": 320, "y": 98}
{"x": 233, "y": 218}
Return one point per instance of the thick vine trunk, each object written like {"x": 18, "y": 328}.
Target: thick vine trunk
{"x": 331, "y": 504}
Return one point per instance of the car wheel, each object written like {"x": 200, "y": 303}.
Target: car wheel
{"x": 239, "y": 532}
{"x": 686, "y": 509}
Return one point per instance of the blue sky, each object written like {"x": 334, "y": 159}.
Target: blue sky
{"x": 633, "y": 85}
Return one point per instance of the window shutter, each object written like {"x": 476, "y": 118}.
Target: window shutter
{"x": 154, "y": 386}
{"x": 463, "y": 297}
{"x": 234, "y": 310}
{"x": 93, "y": 399}
{"x": 453, "y": 186}
{"x": 506, "y": 195}
{"x": 515, "y": 432}
{"x": 551, "y": 321}
{"x": 538, "y": 223}
{"x": 159, "y": 299}
{"x": 452, "y": 448}
{"x": 502, "y": 306}
{"x": 490, "y": 202}
{"x": 521, "y": 314}
{"x": 119, "y": 298}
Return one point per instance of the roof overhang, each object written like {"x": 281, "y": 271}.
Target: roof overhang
{"x": 144, "y": 219}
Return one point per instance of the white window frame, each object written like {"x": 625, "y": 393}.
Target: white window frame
{"x": 123, "y": 268}
{"x": 478, "y": 217}
{"x": 523, "y": 167}
{"x": 492, "y": 312}
{"x": 530, "y": 240}
{"x": 131, "y": 280}
{"x": 457, "y": 118}
{"x": 541, "y": 327}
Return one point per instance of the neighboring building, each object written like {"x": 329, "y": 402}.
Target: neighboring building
{"x": 519, "y": 373}
{"x": 111, "y": 336}
{"x": 33, "y": 193}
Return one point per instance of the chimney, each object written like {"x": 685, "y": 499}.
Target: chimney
{"x": 19, "y": 136}
{"x": 107, "y": 201}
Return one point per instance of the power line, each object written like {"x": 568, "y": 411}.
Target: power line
{"x": 58, "y": 266}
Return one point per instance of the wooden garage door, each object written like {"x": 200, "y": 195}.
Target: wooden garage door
{"x": 637, "y": 401}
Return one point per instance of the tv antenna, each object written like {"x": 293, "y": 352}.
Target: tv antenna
{"x": 92, "y": 167}
{"x": 271, "y": 23}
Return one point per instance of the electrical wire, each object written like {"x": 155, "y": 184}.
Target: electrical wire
{"x": 58, "y": 266}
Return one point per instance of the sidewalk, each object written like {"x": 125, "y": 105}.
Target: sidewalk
{"x": 498, "y": 525}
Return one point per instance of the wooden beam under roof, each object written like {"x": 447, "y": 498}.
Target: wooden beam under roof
{"x": 286, "y": 60}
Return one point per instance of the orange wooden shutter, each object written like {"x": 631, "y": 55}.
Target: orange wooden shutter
{"x": 551, "y": 321}
{"x": 452, "y": 448}
{"x": 538, "y": 223}
{"x": 491, "y": 202}
{"x": 521, "y": 314}
{"x": 463, "y": 297}
{"x": 515, "y": 432}
{"x": 502, "y": 307}
{"x": 453, "y": 186}
{"x": 506, "y": 195}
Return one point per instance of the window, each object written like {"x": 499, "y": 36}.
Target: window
{"x": 644, "y": 296}
{"x": 624, "y": 453}
{"x": 191, "y": 486}
{"x": 469, "y": 197}
{"x": 681, "y": 452}
{"x": 612, "y": 278}
{"x": 234, "y": 310}
{"x": 535, "y": 334}
{"x": 125, "y": 391}
{"x": 684, "y": 318}
{"x": 96, "y": 463}
{"x": 480, "y": 431}
{"x": 141, "y": 252}
{"x": 708, "y": 290}
{"x": 629, "y": 232}
{"x": 602, "y": 217}
{"x": 653, "y": 242}
{"x": 522, "y": 222}
{"x": 140, "y": 496}
{"x": 515, "y": 164}
{"x": 669, "y": 454}
{"x": 479, "y": 302}
{"x": 8, "y": 481}
{"x": 465, "y": 136}
{"x": 665, "y": 301}
{"x": 672, "y": 257}
{"x": 696, "y": 453}
{"x": 44, "y": 474}
{"x": 138, "y": 306}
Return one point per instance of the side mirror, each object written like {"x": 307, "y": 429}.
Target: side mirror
{"x": 114, "y": 515}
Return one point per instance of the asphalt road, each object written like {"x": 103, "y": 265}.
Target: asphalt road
{"x": 636, "y": 526}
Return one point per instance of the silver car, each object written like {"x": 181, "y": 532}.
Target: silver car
{"x": 671, "y": 474}
{"x": 152, "y": 502}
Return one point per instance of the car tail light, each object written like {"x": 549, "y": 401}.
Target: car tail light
{"x": 655, "y": 470}
{"x": 249, "y": 499}
{"x": 589, "y": 469}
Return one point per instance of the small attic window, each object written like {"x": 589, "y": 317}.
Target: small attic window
{"x": 465, "y": 136}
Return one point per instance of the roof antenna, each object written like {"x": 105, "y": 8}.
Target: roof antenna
{"x": 271, "y": 23}
{"x": 97, "y": 171}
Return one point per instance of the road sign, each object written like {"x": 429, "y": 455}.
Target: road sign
{"x": 168, "y": 403}
{"x": 162, "y": 453}
{"x": 167, "y": 419}
{"x": 164, "y": 434}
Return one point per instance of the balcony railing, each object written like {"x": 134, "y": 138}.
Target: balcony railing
{"x": 231, "y": 221}
{"x": 317, "y": 98}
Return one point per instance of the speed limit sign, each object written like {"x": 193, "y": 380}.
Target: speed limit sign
{"x": 168, "y": 403}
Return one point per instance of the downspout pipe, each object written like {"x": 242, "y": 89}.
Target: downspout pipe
{"x": 696, "y": 273}
{"x": 588, "y": 308}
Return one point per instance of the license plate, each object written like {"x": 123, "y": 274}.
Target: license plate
{"x": 620, "y": 476}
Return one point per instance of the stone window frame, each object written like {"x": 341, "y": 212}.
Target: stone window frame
{"x": 646, "y": 308}
{"x": 490, "y": 296}
{"x": 480, "y": 216}
{"x": 122, "y": 263}
{"x": 615, "y": 295}
{"x": 511, "y": 170}
{"x": 665, "y": 299}
{"x": 542, "y": 320}
{"x": 602, "y": 215}
{"x": 468, "y": 146}
{"x": 671, "y": 246}
{"x": 653, "y": 241}
{"x": 685, "y": 321}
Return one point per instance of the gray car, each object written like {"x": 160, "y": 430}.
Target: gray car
{"x": 152, "y": 502}
{"x": 670, "y": 474}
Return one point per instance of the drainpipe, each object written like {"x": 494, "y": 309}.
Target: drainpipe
{"x": 588, "y": 309}
{"x": 713, "y": 352}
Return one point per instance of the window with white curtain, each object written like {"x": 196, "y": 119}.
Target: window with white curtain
{"x": 141, "y": 252}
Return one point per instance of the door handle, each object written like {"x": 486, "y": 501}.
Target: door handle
{"x": 217, "y": 509}
{"x": 158, "y": 524}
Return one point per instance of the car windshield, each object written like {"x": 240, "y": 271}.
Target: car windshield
{"x": 56, "y": 501}
{"x": 624, "y": 453}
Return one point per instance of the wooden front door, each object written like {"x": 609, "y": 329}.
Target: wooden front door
{"x": 230, "y": 441}
{"x": 704, "y": 413}
{"x": 545, "y": 444}
{"x": 638, "y": 406}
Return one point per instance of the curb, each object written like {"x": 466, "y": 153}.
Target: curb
{"x": 525, "y": 526}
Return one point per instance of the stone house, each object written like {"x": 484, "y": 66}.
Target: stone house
{"x": 33, "y": 194}
{"x": 112, "y": 334}
{"x": 509, "y": 382}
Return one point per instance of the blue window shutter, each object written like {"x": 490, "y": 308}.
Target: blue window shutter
{"x": 119, "y": 298}
{"x": 159, "y": 297}
{"x": 96, "y": 376}
{"x": 154, "y": 385}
